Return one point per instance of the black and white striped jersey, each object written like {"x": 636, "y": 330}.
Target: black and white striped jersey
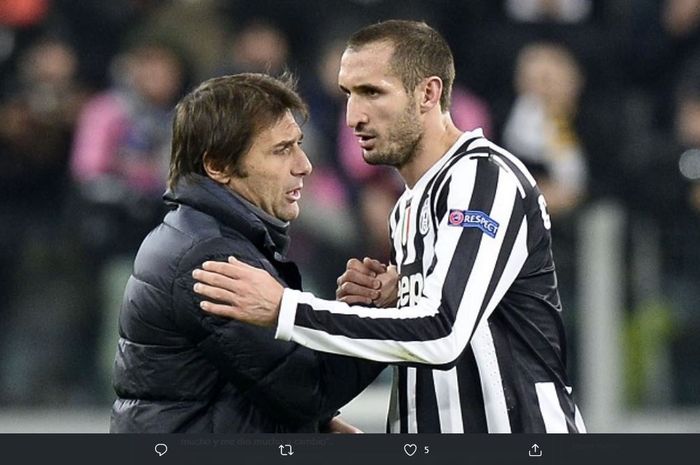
{"x": 476, "y": 337}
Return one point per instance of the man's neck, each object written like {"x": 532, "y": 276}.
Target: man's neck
{"x": 440, "y": 134}
{"x": 277, "y": 228}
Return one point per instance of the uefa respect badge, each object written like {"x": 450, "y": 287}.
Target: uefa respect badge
{"x": 473, "y": 219}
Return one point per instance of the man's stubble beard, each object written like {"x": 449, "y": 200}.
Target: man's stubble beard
{"x": 403, "y": 141}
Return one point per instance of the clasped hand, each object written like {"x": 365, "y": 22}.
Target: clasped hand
{"x": 368, "y": 282}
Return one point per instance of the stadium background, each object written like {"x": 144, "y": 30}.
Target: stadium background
{"x": 601, "y": 98}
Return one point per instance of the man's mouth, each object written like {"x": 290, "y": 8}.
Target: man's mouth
{"x": 294, "y": 194}
{"x": 366, "y": 141}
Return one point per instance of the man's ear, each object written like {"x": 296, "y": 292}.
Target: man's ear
{"x": 218, "y": 175}
{"x": 431, "y": 89}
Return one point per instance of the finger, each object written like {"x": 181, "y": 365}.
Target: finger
{"x": 357, "y": 265}
{"x": 232, "y": 270}
{"x": 221, "y": 310}
{"x": 215, "y": 279}
{"x": 354, "y": 289}
{"x": 361, "y": 279}
{"x": 215, "y": 293}
{"x": 374, "y": 265}
{"x": 241, "y": 265}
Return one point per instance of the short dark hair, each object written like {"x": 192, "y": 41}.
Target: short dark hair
{"x": 419, "y": 52}
{"x": 221, "y": 117}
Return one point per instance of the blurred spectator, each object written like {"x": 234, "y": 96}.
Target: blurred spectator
{"x": 204, "y": 22}
{"x": 490, "y": 34}
{"x": 17, "y": 17}
{"x": 46, "y": 99}
{"x": 121, "y": 149}
{"x": 560, "y": 11}
{"x": 541, "y": 126}
{"x": 259, "y": 46}
{"x": 664, "y": 35}
{"x": 98, "y": 29}
{"x": 33, "y": 170}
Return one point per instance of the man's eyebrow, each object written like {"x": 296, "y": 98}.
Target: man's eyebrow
{"x": 286, "y": 142}
{"x": 361, "y": 88}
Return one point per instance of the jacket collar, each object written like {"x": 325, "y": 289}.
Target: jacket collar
{"x": 210, "y": 197}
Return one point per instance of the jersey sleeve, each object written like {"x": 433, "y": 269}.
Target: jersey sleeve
{"x": 480, "y": 247}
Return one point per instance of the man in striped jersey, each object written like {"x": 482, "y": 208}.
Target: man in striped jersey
{"x": 471, "y": 316}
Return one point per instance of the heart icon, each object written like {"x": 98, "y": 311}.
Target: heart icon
{"x": 410, "y": 449}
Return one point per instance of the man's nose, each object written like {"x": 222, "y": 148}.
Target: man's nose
{"x": 354, "y": 113}
{"x": 303, "y": 165}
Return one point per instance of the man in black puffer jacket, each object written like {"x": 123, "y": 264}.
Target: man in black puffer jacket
{"x": 236, "y": 174}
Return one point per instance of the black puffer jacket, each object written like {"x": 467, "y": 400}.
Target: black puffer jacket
{"x": 179, "y": 369}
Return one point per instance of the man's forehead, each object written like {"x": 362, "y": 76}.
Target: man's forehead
{"x": 286, "y": 127}
{"x": 371, "y": 60}
{"x": 373, "y": 52}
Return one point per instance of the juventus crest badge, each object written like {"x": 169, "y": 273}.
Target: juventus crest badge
{"x": 424, "y": 220}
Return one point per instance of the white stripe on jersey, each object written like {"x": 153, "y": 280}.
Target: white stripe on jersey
{"x": 580, "y": 425}
{"x": 491, "y": 382}
{"x": 448, "y": 401}
{"x": 552, "y": 414}
{"x": 411, "y": 400}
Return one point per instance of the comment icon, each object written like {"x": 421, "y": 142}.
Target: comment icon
{"x": 161, "y": 449}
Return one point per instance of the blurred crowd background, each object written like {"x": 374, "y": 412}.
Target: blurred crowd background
{"x": 600, "y": 98}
